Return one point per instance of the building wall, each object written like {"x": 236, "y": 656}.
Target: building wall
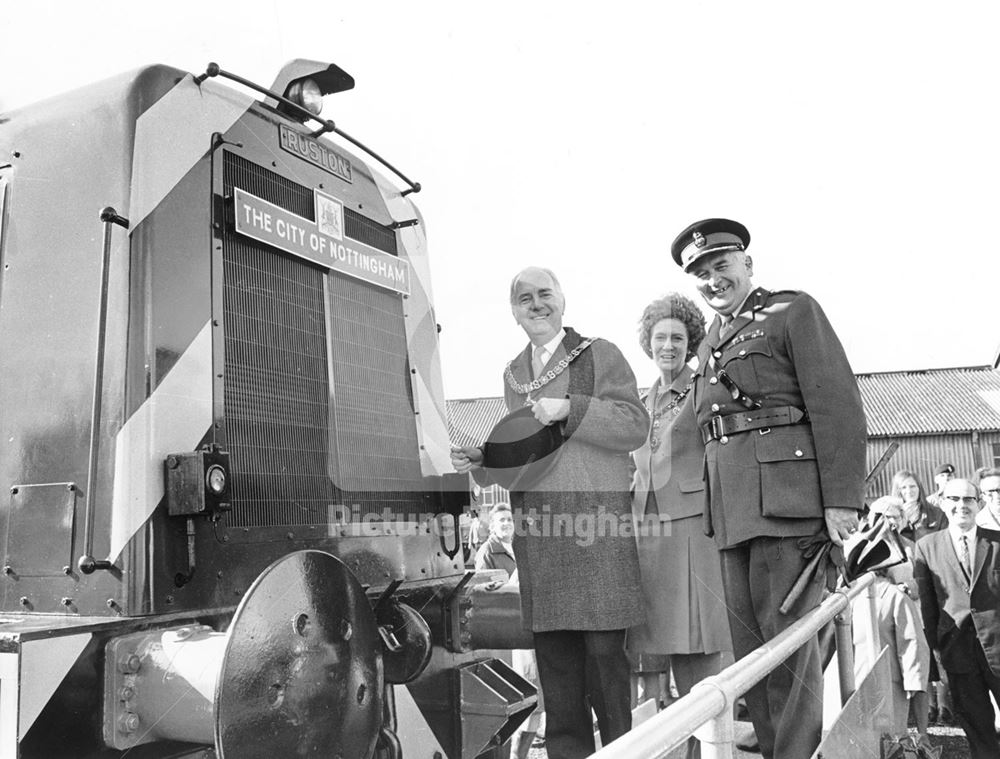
{"x": 922, "y": 454}
{"x": 989, "y": 449}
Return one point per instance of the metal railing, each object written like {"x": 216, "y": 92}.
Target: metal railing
{"x": 707, "y": 711}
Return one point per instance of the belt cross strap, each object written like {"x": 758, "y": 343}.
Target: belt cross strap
{"x": 763, "y": 419}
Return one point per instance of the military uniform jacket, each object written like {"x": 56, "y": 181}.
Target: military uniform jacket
{"x": 577, "y": 561}
{"x": 781, "y": 351}
{"x": 955, "y": 616}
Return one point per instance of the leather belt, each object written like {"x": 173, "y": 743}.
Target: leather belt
{"x": 719, "y": 427}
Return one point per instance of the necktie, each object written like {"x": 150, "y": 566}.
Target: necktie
{"x": 966, "y": 562}
{"x": 539, "y": 360}
{"x": 725, "y": 329}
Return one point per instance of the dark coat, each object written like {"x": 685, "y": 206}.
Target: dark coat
{"x": 781, "y": 351}
{"x": 954, "y": 618}
{"x": 931, "y": 520}
{"x": 493, "y": 555}
{"x": 576, "y": 555}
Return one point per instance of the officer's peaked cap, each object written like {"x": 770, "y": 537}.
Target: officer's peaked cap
{"x": 708, "y": 236}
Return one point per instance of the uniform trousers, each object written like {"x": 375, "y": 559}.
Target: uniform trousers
{"x": 970, "y": 703}
{"x": 786, "y": 707}
{"x": 582, "y": 670}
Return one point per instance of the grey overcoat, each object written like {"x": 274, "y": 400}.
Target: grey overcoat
{"x": 576, "y": 553}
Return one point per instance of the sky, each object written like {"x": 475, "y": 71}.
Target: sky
{"x": 857, "y": 141}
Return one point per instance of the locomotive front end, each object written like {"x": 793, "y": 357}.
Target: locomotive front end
{"x": 230, "y": 519}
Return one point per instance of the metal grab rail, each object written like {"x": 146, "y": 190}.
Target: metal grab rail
{"x": 707, "y": 711}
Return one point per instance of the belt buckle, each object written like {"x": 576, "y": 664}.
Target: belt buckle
{"x": 715, "y": 427}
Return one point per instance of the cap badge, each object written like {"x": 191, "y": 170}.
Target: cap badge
{"x": 699, "y": 240}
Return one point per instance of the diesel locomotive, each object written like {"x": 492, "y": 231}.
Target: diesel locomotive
{"x": 229, "y": 526}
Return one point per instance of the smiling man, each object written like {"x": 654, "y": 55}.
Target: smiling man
{"x": 784, "y": 431}
{"x": 958, "y": 575}
{"x": 579, "y": 573}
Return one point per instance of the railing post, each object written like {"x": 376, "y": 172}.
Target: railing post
{"x": 718, "y": 735}
{"x": 845, "y": 654}
{"x": 875, "y": 640}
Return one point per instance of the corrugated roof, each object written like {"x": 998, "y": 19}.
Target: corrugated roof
{"x": 920, "y": 402}
{"x": 932, "y": 401}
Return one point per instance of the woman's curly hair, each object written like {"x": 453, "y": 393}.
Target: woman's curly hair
{"x": 673, "y": 306}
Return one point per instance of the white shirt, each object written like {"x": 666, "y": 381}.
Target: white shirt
{"x": 956, "y": 541}
{"x": 986, "y": 518}
{"x": 542, "y": 354}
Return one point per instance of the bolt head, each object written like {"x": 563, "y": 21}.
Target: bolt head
{"x": 128, "y": 722}
{"x": 130, "y": 664}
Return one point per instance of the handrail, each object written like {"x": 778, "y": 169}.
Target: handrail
{"x": 711, "y": 700}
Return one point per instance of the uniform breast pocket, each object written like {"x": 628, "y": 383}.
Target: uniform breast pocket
{"x": 789, "y": 474}
{"x": 744, "y": 362}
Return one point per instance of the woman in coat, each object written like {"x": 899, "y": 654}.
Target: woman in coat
{"x": 921, "y": 518}
{"x": 686, "y": 625}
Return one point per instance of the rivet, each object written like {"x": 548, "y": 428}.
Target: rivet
{"x": 65, "y": 601}
{"x": 24, "y": 601}
{"x": 125, "y": 693}
{"x": 717, "y": 354}
{"x": 715, "y": 407}
{"x": 713, "y": 381}
{"x": 8, "y": 569}
{"x": 130, "y": 664}
{"x": 128, "y": 722}
{"x": 724, "y": 439}
{"x": 798, "y": 452}
{"x": 743, "y": 352}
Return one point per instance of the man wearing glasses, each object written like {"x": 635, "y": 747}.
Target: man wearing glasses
{"x": 784, "y": 432}
{"x": 989, "y": 487}
{"x": 958, "y": 576}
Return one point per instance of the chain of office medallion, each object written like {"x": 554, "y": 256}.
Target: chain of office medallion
{"x": 551, "y": 374}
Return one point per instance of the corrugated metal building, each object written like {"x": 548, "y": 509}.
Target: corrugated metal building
{"x": 937, "y": 416}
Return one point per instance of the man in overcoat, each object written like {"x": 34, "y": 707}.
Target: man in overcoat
{"x": 576, "y": 555}
{"x": 958, "y": 577}
{"x": 781, "y": 416}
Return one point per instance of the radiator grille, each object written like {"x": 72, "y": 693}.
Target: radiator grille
{"x": 317, "y": 398}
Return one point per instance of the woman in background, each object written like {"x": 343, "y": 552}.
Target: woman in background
{"x": 921, "y": 518}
